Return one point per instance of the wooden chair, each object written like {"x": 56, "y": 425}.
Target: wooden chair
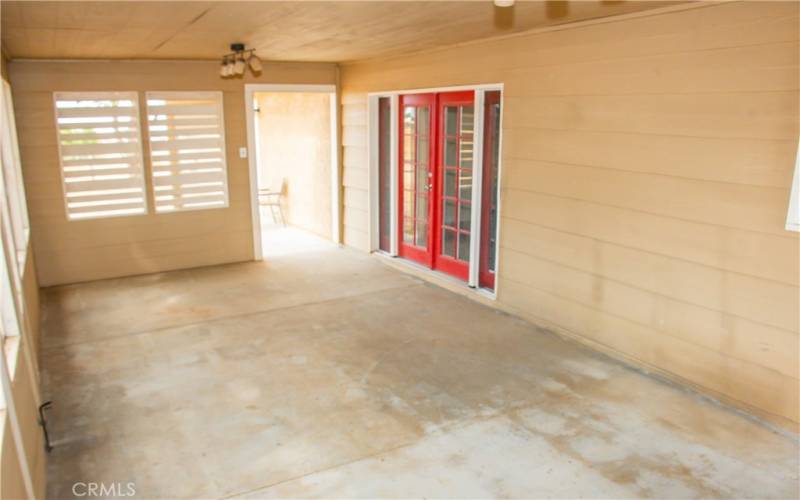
{"x": 269, "y": 197}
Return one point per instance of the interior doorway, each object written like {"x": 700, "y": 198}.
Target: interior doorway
{"x": 293, "y": 168}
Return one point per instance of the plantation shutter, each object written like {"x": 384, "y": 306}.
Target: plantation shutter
{"x": 187, "y": 150}
{"x": 100, "y": 151}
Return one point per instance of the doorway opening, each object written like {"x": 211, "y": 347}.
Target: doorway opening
{"x": 293, "y": 168}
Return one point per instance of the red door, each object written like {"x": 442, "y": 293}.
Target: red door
{"x": 454, "y": 162}
{"x": 415, "y": 210}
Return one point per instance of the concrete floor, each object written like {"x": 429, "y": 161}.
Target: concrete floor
{"x": 280, "y": 241}
{"x": 328, "y": 374}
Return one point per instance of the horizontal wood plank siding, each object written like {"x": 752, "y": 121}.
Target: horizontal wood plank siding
{"x": 647, "y": 164}
{"x": 74, "y": 251}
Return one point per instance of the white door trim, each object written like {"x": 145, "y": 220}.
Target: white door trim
{"x": 249, "y": 91}
{"x": 427, "y": 90}
{"x": 373, "y": 194}
{"x": 372, "y": 157}
{"x": 477, "y": 191}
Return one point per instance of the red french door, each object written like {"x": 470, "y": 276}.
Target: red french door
{"x": 436, "y": 161}
{"x": 454, "y": 162}
{"x": 416, "y": 180}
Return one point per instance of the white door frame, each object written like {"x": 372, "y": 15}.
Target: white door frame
{"x": 372, "y": 151}
{"x": 250, "y": 90}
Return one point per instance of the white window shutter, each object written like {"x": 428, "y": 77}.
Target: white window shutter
{"x": 100, "y": 151}
{"x": 187, "y": 150}
{"x": 12, "y": 176}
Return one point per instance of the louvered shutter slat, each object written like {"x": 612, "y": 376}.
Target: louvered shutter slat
{"x": 100, "y": 154}
{"x": 187, "y": 147}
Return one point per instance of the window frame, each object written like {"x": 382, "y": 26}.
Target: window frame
{"x": 13, "y": 180}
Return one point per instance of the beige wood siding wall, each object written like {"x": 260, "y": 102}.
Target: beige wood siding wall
{"x": 646, "y": 171}
{"x": 73, "y": 251}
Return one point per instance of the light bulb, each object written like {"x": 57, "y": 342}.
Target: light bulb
{"x": 239, "y": 65}
{"x": 255, "y": 63}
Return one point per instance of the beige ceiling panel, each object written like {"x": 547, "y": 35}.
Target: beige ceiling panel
{"x": 14, "y": 40}
{"x": 11, "y": 16}
{"x": 282, "y": 31}
{"x": 171, "y": 15}
{"x": 131, "y": 42}
{"x": 100, "y": 16}
{"x": 38, "y": 15}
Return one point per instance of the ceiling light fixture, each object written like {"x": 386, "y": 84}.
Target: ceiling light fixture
{"x": 235, "y": 63}
{"x": 504, "y": 3}
{"x": 255, "y": 63}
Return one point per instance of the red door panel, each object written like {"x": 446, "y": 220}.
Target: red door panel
{"x": 416, "y": 163}
{"x": 454, "y": 164}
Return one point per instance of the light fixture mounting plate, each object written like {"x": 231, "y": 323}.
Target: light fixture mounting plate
{"x": 237, "y": 47}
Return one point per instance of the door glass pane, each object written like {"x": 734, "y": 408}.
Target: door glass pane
{"x": 408, "y": 231}
{"x": 450, "y": 120}
{"x": 465, "y": 147}
{"x": 408, "y": 149}
{"x": 423, "y": 119}
{"x": 422, "y": 178}
{"x": 450, "y": 148}
{"x": 409, "y": 120}
{"x": 449, "y": 218}
{"x": 465, "y": 184}
{"x": 448, "y": 242}
{"x": 491, "y": 156}
{"x": 416, "y": 174}
{"x": 492, "y": 240}
{"x": 494, "y": 139}
{"x": 384, "y": 173}
{"x": 408, "y": 179}
{"x": 422, "y": 207}
{"x": 463, "y": 246}
{"x": 467, "y": 119}
{"x": 422, "y": 234}
{"x": 422, "y": 150}
{"x": 465, "y": 153}
{"x": 464, "y": 215}
{"x": 449, "y": 182}
{"x": 408, "y": 203}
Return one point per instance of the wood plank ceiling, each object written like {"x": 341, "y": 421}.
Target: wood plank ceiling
{"x": 280, "y": 31}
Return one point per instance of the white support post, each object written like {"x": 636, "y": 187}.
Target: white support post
{"x": 373, "y": 153}
{"x": 252, "y": 165}
{"x": 477, "y": 191}
{"x": 336, "y": 182}
{"x": 16, "y": 433}
{"x": 395, "y": 175}
{"x": 5, "y": 370}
